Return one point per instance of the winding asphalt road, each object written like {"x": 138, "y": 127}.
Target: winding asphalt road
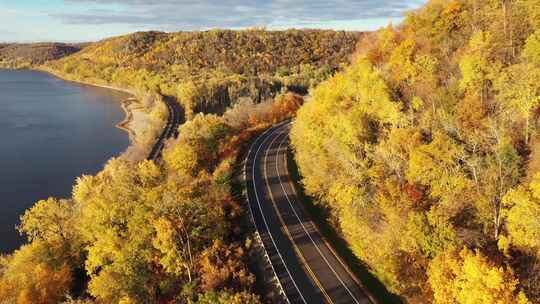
{"x": 171, "y": 128}
{"x": 308, "y": 269}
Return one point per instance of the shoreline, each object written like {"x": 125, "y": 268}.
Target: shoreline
{"x": 105, "y": 86}
{"x": 137, "y": 121}
{"x": 128, "y": 119}
{"x": 125, "y": 104}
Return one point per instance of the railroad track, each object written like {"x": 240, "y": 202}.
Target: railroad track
{"x": 171, "y": 128}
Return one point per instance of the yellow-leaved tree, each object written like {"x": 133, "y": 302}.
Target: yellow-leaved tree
{"x": 523, "y": 215}
{"x": 468, "y": 277}
{"x": 34, "y": 274}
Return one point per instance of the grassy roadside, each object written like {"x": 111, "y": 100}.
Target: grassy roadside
{"x": 319, "y": 216}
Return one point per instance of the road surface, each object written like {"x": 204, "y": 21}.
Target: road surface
{"x": 307, "y": 268}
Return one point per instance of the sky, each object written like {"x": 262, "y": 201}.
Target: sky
{"x": 91, "y": 20}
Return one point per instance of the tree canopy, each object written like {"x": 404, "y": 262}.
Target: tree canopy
{"x": 421, "y": 146}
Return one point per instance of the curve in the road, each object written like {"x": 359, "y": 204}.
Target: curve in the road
{"x": 312, "y": 274}
{"x": 277, "y": 261}
{"x": 328, "y": 246}
{"x": 288, "y": 233}
{"x": 318, "y": 273}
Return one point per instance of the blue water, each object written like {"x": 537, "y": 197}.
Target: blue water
{"x": 51, "y": 131}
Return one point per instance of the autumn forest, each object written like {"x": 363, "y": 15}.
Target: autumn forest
{"x": 420, "y": 141}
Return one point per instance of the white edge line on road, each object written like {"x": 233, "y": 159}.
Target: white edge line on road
{"x": 251, "y": 211}
{"x": 271, "y": 129}
{"x": 336, "y": 255}
{"x": 300, "y": 254}
{"x": 305, "y": 230}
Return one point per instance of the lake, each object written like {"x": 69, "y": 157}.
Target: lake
{"x": 51, "y": 131}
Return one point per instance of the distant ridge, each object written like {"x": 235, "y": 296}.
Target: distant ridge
{"x": 20, "y": 55}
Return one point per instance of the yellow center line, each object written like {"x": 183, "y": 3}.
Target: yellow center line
{"x": 264, "y": 218}
{"x": 338, "y": 258}
{"x": 287, "y": 232}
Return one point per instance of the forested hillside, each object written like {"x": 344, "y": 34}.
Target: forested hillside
{"x": 421, "y": 152}
{"x": 210, "y": 70}
{"x": 167, "y": 232}
{"x": 24, "y": 55}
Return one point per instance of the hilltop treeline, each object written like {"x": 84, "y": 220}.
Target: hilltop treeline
{"x": 168, "y": 232}
{"x": 24, "y": 55}
{"x": 422, "y": 150}
{"x": 208, "y": 71}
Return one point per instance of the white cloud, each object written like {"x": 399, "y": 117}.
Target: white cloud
{"x": 192, "y": 14}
